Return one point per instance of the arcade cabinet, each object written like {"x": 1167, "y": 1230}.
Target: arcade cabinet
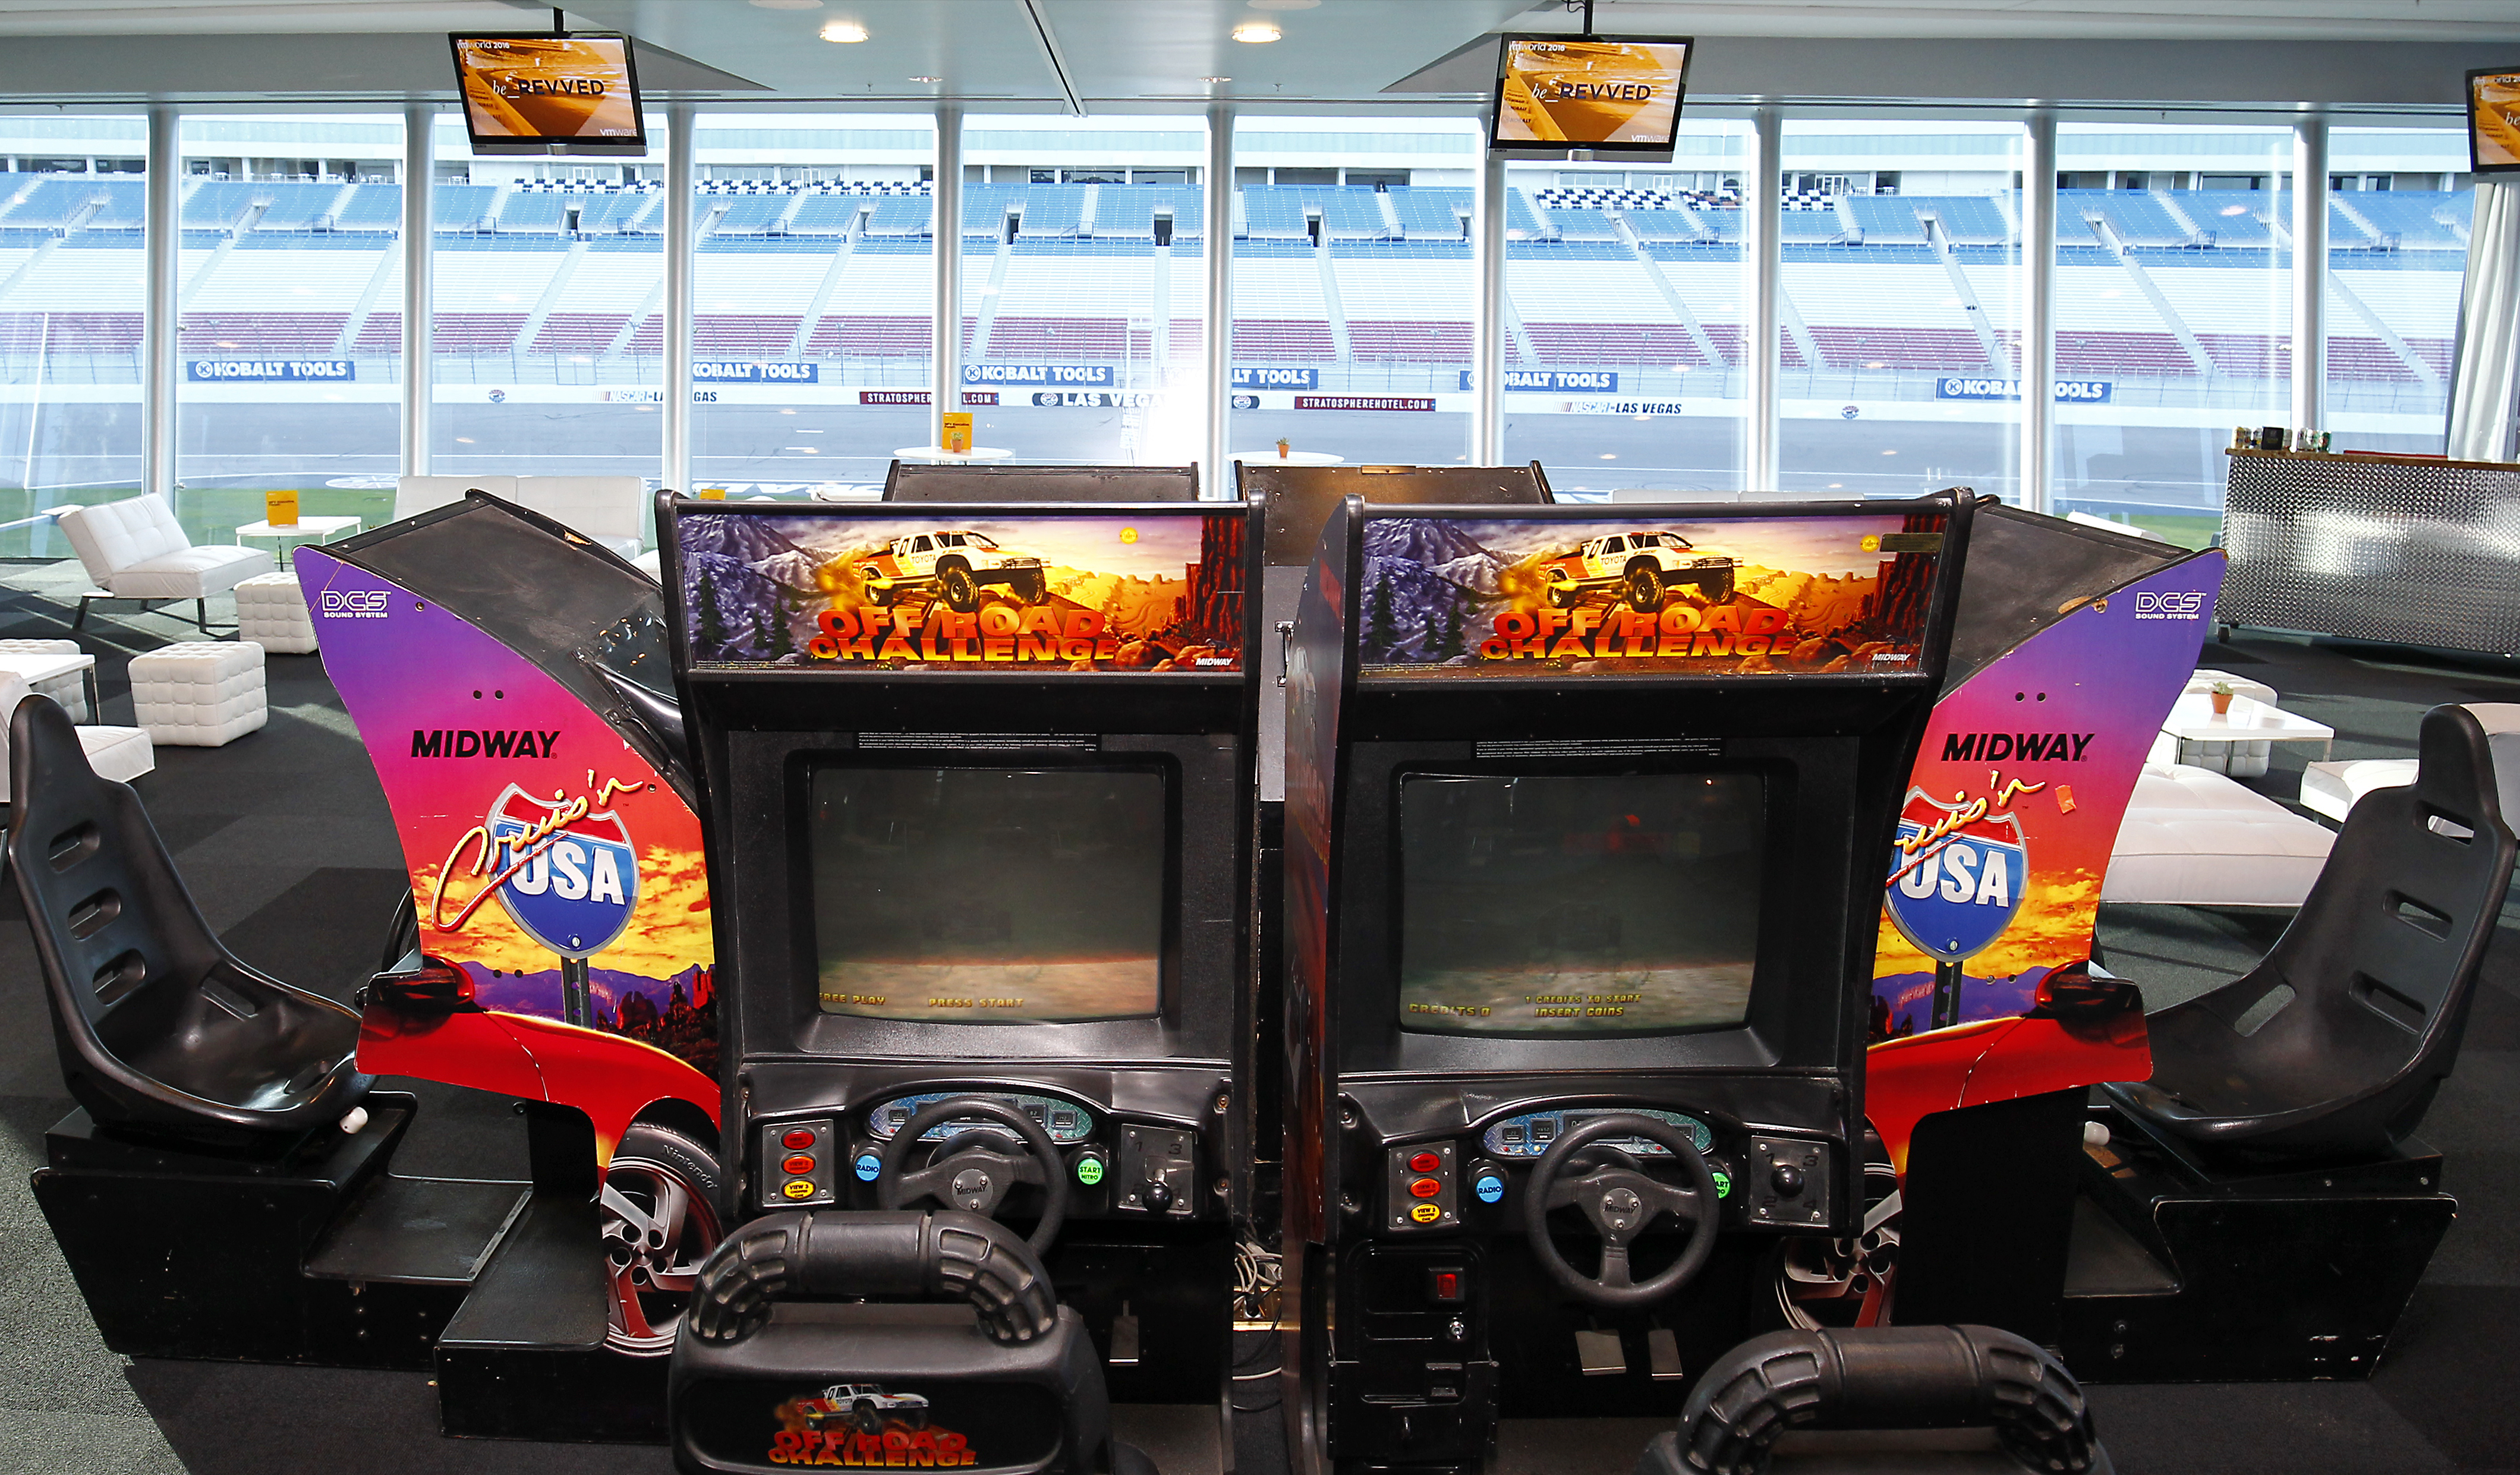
{"x": 977, "y": 842}
{"x": 1585, "y": 814}
{"x": 915, "y": 481}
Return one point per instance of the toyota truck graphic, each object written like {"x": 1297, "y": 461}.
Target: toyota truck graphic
{"x": 865, "y": 1404}
{"x": 1643, "y": 566}
{"x": 951, "y": 563}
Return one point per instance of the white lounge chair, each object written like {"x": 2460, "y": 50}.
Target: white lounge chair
{"x": 134, "y": 550}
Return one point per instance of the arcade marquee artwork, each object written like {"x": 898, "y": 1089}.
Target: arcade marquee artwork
{"x": 1820, "y": 594}
{"x": 1148, "y": 592}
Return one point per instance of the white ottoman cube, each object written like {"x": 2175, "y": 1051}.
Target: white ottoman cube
{"x": 200, "y": 693}
{"x": 69, "y": 688}
{"x": 272, "y": 613}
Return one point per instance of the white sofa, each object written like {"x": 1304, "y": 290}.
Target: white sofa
{"x": 2334, "y": 788}
{"x": 135, "y": 549}
{"x": 122, "y": 754}
{"x": 2196, "y": 839}
{"x": 609, "y": 509}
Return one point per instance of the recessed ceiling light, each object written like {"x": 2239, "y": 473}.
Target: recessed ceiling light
{"x": 928, "y": 79}
{"x": 1283, "y": 4}
{"x": 789, "y": 4}
{"x": 843, "y": 33}
{"x": 1256, "y": 33}
{"x": 1216, "y": 80}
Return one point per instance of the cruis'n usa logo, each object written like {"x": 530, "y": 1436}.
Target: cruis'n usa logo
{"x": 1956, "y": 873}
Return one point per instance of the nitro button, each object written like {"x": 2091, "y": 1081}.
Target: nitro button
{"x": 1424, "y": 1187}
{"x": 1424, "y": 1162}
{"x": 1425, "y": 1213}
{"x": 798, "y": 1137}
{"x": 799, "y": 1164}
{"x": 798, "y": 1188}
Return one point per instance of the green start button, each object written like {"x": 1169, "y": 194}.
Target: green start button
{"x": 1089, "y": 1169}
{"x": 1723, "y": 1184}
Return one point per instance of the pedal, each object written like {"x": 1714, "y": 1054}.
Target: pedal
{"x": 1662, "y": 1354}
{"x": 1124, "y": 1338}
{"x": 1599, "y": 1353}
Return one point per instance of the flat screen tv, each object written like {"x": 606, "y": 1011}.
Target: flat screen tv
{"x": 2493, "y": 120}
{"x": 548, "y": 92}
{"x": 981, "y": 895}
{"x": 1612, "y": 96}
{"x": 1579, "y": 904}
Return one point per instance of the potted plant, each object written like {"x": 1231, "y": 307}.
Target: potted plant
{"x": 2221, "y": 691}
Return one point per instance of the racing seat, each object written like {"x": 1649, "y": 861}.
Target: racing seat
{"x": 2334, "y": 1045}
{"x": 1877, "y": 1399}
{"x": 773, "y": 1369}
{"x": 164, "y": 1034}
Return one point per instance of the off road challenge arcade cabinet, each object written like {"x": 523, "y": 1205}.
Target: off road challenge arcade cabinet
{"x": 1586, "y": 816}
{"x": 977, "y": 803}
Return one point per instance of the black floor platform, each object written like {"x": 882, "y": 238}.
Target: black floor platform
{"x": 284, "y": 839}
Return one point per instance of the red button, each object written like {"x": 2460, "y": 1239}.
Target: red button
{"x": 1424, "y": 1162}
{"x": 1447, "y": 1285}
{"x": 799, "y": 1137}
{"x": 1424, "y": 1187}
{"x": 799, "y": 1165}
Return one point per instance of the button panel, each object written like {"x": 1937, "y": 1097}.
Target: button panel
{"x": 1423, "y": 1198}
{"x": 800, "y": 1164}
{"x": 1786, "y": 1181}
{"x": 1159, "y": 1173}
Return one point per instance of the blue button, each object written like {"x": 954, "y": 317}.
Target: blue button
{"x": 868, "y": 1166}
{"x": 1489, "y": 1187}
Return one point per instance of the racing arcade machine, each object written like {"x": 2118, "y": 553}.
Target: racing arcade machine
{"x": 977, "y": 848}
{"x": 1582, "y": 879}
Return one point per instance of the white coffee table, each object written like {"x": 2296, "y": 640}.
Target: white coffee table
{"x": 48, "y": 674}
{"x": 939, "y": 456}
{"x": 2238, "y": 742}
{"x": 303, "y": 530}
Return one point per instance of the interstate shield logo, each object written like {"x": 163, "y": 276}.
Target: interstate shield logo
{"x": 569, "y": 878}
{"x": 1955, "y": 876}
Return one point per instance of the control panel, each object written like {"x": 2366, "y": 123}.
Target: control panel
{"x": 1530, "y": 1135}
{"x": 1066, "y": 1122}
{"x": 1159, "y": 1172}
{"x": 799, "y": 1164}
{"x": 1786, "y": 1181}
{"x": 1421, "y": 1188}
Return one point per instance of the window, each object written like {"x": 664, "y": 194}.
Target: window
{"x": 812, "y": 302}
{"x": 549, "y": 317}
{"x": 1353, "y": 304}
{"x": 290, "y": 333}
{"x": 1900, "y": 313}
{"x": 2396, "y": 269}
{"x": 1083, "y": 300}
{"x": 1623, "y": 327}
{"x": 72, "y": 281}
{"x": 2172, "y": 320}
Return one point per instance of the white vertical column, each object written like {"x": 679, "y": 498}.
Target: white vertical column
{"x": 164, "y": 242}
{"x": 2038, "y": 304}
{"x": 679, "y": 206}
{"x": 1763, "y": 250}
{"x": 945, "y": 353}
{"x": 1487, "y": 323}
{"x": 1216, "y": 477}
{"x": 2309, "y": 272}
{"x": 419, "y": 298}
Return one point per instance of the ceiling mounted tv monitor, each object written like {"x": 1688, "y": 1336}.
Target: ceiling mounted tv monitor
{"x": 549, "y": 92}
{"x": 2493, "y": 120}
{"x": 1615, "y": 97}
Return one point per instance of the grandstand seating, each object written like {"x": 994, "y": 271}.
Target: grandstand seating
{"x": 536, "y": 214}
{"x": 751, "y": 215}
{"x": 218, "y": 206}
{"x": 460, "y": 207}
{"x": 1885, "y": 219}
{"x": 2235, "y": 217}
{"x": 371, "y": 208}
{"x": 301, "y": 206}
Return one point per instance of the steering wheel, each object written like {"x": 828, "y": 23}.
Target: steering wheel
{"x": 1621, "y": 1201}
{"x": 974, "y": 1176}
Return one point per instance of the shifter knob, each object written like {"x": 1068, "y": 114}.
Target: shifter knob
{"x": 1787, "y": 1178}
{"x": 1157, "y": 1196}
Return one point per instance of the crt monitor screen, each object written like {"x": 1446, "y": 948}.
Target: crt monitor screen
{"x": 1615, "y": 904}
{"x": 988, "y": 896}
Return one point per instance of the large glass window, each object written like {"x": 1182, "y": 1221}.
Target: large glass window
{"x": 1623, "y": 324}
{"x": 1898, "y": 308}
{"x": 72, "y": 281}
{"x": 1355, "y": 287}
{"x": 2173, "y": 302}
{"x": 290, "y": 337}
{"x": 549, "y": 288}
{"x": 1084, "y": 288}
{"x": 2397, "y": 259}
{"x": 813, "y": 288}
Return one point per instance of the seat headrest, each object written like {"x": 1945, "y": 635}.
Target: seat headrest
{"x": 2455, "y": 771}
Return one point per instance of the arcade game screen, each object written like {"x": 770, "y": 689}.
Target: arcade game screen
{"x": 1601, "y": 904}
{"x": 988, "y": 896}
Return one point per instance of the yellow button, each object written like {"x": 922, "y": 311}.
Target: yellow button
{"x": 1425, "y": 1213}
{"x": 798, "y": 1189}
